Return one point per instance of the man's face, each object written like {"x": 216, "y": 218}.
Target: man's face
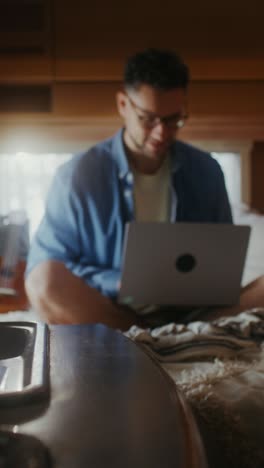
{"x": 152, "y": 119}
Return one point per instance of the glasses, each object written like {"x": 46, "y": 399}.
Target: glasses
{"x": 149, "y": 120}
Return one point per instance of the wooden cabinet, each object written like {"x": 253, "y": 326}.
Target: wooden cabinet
{"x": 25, "y": 41}
{"x": 61, "y": 40}
{"x": 63, "y": 61}
{"x": 219, "y": 41}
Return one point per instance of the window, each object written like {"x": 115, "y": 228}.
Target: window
{"x": 231, "y": 167}
{"x": 24, "y": 182}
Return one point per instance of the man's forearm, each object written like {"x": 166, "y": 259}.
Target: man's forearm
{"x": 61, "y": 297}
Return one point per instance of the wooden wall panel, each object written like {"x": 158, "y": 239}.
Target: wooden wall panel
{"x": 106, "y": 66}
{"x": 86, "y": 41}
{"x": 94, "y": 99}
{"x": 257, "y": 176}
{"x": 218, "y": 39}
{"x": 206, "y": 99}
{"x": 226, "y": 111}
{"x": 26, "y": 68}
{"x": 225, "y": 98}
{"x": 26, "y": 41}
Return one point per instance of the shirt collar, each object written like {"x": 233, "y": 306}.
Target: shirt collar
{"x": 176, "y": 155}
{"x": 120, "y": 154}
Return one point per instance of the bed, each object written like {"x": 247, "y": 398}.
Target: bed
{"x": 219, "y": 368}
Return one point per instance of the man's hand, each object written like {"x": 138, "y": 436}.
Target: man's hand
{"x": 60, "y": 297}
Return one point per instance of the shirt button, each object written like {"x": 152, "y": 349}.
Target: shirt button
{"x": 129, "y": 178}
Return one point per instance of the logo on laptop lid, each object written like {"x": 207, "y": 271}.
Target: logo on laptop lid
{"x": 185, "y": 263}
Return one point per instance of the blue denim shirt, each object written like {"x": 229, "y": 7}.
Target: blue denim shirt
{"x": 91, "y": 200}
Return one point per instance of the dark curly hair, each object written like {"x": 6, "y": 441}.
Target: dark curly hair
{"x": 160, "y": 69}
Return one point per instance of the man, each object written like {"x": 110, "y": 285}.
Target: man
{"x": 142, "y": 172}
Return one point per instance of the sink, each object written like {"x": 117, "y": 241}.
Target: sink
{"x": 24, "y": 363}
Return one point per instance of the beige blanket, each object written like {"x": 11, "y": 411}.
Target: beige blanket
{"x": 219, "y": 367}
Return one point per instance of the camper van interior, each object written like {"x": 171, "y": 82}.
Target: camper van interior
{"x": 180, "y": 395}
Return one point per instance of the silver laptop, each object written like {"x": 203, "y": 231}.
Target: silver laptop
{"x": 183, "y": 264}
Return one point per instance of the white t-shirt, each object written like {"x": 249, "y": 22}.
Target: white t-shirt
{"x": 152, "y": 194}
